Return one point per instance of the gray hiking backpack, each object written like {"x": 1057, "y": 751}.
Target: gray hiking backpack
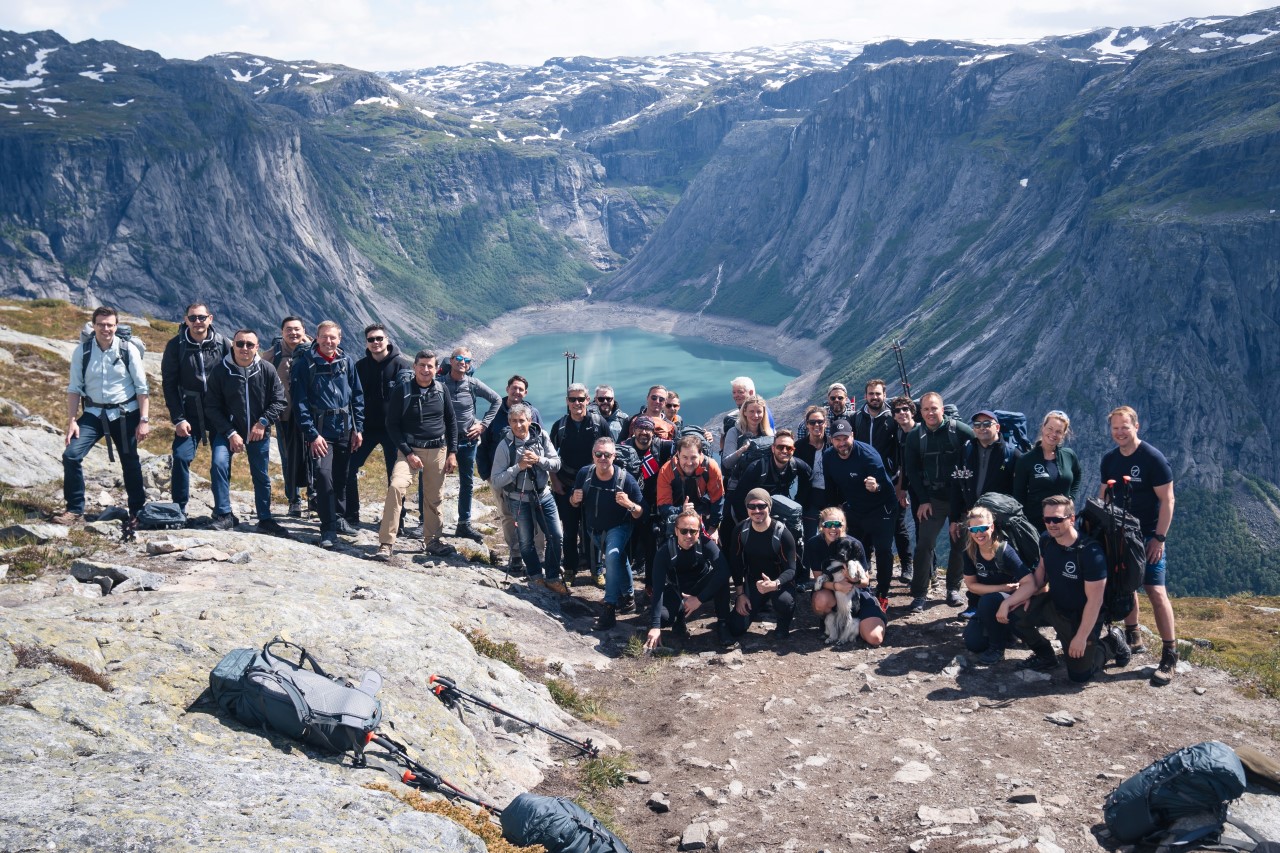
{"x": 263, "y": 689}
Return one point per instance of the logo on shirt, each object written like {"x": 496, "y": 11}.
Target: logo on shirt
{"x": 1041, "y": 472}
{"x": 983, "y": 570}
{"x": 1135, "y": 474}
{"x": 1069, "y": 570}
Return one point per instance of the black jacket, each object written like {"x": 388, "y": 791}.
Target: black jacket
{"x": 185, "y": 368}
{"x": 1000, "y": 470}
{"x": 239, "y": 396}
{"x": 378, "y": 379}
{"x": 416, "y": 415}
{"x": 881, "y": 432}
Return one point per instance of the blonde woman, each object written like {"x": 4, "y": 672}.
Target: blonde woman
{"x": 1047, "y": 469}
{"x": 992, "y": 569}
{"x": 834, "y": 544}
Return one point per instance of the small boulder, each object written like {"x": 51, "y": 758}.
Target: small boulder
{"x": 33, "y": 534}
{"x": 204, "y": 554}
{"x": 659, "y": 803}
{"x": 695, "y": 837}
{"x": 640, "y": 777}
{"x": 1061, "y": 718}
{"x": 89, "y": 570}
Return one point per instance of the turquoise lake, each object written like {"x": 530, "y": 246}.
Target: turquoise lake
{"x": 631, "y": 360}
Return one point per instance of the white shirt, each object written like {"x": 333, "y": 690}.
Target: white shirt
{"x": 106, "y": 379}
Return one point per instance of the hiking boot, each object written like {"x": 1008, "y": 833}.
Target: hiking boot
{"x": 724, "y": 636}
{"x": 607, "y": 619}
{"x": 226, "y": 521}
{"x": 884, "y": 604}
{"x": 1040, "y": 663}
{"x": 328, "y": 540}
{"x": 599, "y": 581}
{"x": 956, "y": 598}
{"x": 992, "y": 656}
{"x": 440, "y": 549}
{"x": 918, "y": 604}
{"x": 1133, "y": 636}
{"x": 383, "y": 553}
{"x": 272, "y": 527}
{"x": 627, "y": 604}
{"x": 466, "y": 531}
{"x": 776, "y": 635}
{"x": 680, "y": 630}
{"x": 68, "y": 518}
{"x": 1118, "y": 647}
{"x": 1168, "y": 665}
{"x": 345, "y": 528}
{"x": 129, "y": 528}
{"x": 295, "y": 509}
{"x": 557, "y": 587}
{"x": 515, "y": 567}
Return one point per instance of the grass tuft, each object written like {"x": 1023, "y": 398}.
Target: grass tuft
{"x": 596, "y": 775}
{"x": 34, "y": 657}
{"x": 577, "y": 702}
{"x": 634, "y": 647}
{"x": 478, "y": 823}
{"x": 507, "y": 651}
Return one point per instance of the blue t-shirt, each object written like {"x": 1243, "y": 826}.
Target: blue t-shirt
{"x": 1067, "y": 570}
{"x": 1146, "y": 469}
{"x": 1005, "y": 567}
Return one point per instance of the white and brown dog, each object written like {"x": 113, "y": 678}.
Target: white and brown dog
{"x": 841, "y": 624}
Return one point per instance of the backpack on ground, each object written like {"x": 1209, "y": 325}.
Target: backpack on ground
{"x": 558, "y": 824}
{"x": 262, "y": 689}
{"x": 1013, "y": 527}
{"x": 1120, "y": 536}
{"x": 155, "y": 515}
{"x": 1197, "y": 779}
{"x": 1013, "y": 429}
{"x": 124, "y": 332}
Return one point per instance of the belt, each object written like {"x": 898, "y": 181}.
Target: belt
{"x": 429, "y": 444}
{"x": 94, "y": 404}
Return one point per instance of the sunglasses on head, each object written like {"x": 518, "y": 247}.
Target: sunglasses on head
{"x": 576, "y": 399}
{"x": 980, "y": 528}
{"x": 757, "y": 507}
{"x": 198, "y": 318}
{"x": 1056, "y": 519}
{"x": 374, "y": 339}
{"x": 600, "y": 454}
{"x": 833, "y": 524}
{"x": 246, "y": 344}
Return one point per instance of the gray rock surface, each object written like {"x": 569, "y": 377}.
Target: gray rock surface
{"x": 154, "y": 759}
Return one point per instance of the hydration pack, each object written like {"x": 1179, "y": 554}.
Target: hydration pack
{"x": 261, "y": 689}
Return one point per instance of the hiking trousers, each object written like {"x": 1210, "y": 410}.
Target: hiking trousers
{"x": 433, "y": 459}
{"x": 330, "y": 473}
{"x": 926, "y": 541}
{"x": 1041, "y": 612}
{"x": 372, "y": 441}
{"x": 92, "y": 430}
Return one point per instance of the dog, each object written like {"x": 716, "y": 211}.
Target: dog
{"x": 841, "y": 624}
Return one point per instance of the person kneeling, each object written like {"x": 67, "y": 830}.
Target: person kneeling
{"x": 1075, "y": 569}
{"x": 766, "y": 553}
{"x": 992, "y": 570}
{"x": 831, "y": 544}
{"x": 688, "y": 571}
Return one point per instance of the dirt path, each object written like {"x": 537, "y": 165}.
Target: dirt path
{"x": 805, "y": 748}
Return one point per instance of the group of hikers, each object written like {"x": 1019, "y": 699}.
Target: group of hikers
{"x": 743, "y": 525}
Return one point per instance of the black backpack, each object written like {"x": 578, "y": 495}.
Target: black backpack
{"x": 689, "y": 429}
{"x": 558, "y": 824}
{"x": 155, "y": 515}
{"x": 760, "y": 447}
{"x": 1013, "y": 527}
{"x": 1120, "y": 536}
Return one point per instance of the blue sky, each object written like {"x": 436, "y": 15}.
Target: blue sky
{"x": 384, "y": 35}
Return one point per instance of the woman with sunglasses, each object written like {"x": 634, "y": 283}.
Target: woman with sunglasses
{"x": 992, "y": 570}
{"x": 688, "y": 571}
{"x": 1047, "y": 469}
{"x": 833, "y": 538}
{"x": 813, "y": 440}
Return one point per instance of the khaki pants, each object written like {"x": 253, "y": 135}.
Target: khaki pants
{"x": 433, "y": 460}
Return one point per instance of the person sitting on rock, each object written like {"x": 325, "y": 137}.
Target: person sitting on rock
{"x": 112, "y": 385}
{"x": 522, "y": 467}
{"x": 992, "y": 570}
{"x": 765, "y": 552}
{"x": 1075, "y": 570}
{"x": 245, "y": 399}
{"x": 832, "y": 537}
{"x": 688, "y": 571}
{"x": 610, "y": 501}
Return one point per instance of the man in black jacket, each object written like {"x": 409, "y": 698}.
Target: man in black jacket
{"x": 245, "y": 399}
{"x": 574, "y": 436}
{"x": 382, "y": 367}
{"x": 189, "y": 358}
{"x": 987, "y": 464}
{"x": 420, "y": 420}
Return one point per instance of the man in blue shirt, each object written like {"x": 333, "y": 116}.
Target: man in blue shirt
{"x": 112, "y": 385}
{"x": 610, "y": 500}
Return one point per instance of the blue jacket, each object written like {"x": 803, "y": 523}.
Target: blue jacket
{"x": 844, "y": 478}
{"x": 327, "y": 398}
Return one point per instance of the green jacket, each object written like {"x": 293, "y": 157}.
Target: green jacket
{"x": 932, "y": 455}
{"x": 1030, "y": 486}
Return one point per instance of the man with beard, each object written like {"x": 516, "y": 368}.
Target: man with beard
{"x": 189, "y": 358}
{"x": 607, "y": 405}
{"x": 780, "y": 474}
{"x": 692, "y": 480}
{"x": 649, "y": 455}
{"x": 381, "y": 369}
{"x": 610, "y": 501}
{"x": 467, "y": 391}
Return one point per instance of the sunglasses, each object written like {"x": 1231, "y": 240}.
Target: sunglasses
{"x": 785, "y": 448}
{"x": 246, "y": 344}
{"x": 980, "y": 528}
{"x": 1056, "y": 519}
{"x": 600, "y": 454}
{"x": 673, "y": 405}
{"x": 901, "y": 409}
{"x": 984, "y": 424}
{"x": 687, "y": 531}
{"x": 833, "y": 525}
{"x": 374, "y": 339}
{"x": 604, "y": 399}
{"x": 198, "y": 318}
{"x": 656, "y": 398}
{"x": 576, "y": 399}
{"x": 757, "y": 507}
{"x": 461, "y": 359}
{"x": 816, "y": 423}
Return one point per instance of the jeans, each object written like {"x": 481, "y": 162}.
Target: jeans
{"x": 533, "y": 512}
{"x": 372, "y": 440}
{"x": 331, "y": 484}
{"x": 984, "y": 631}
{"x": 617, "y": 572}
{"x": 184, "y": 453}
{"x": 926, "y": 540}
{"x": 466, "y": 480}
{"x": 91, "y": 431}
{"x": 259, "y": 455}
{"x": 875, "y": 531}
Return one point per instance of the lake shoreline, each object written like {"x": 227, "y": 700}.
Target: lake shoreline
{"x": 807, "y": 356}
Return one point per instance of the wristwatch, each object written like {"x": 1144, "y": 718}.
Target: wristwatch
{"x": 1159, "y": 537}
{"x": 144, "y": 420}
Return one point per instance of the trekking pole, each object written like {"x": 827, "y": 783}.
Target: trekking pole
{"x": 568, "y": 377}
{"x": 418, "y": 776}
{"x": 449, "y": 693}
{"x": 902, "y": 366}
